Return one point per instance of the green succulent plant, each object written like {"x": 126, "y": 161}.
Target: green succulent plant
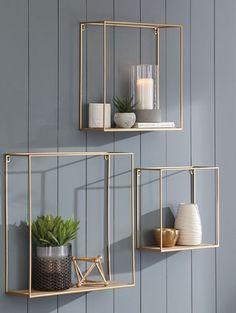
{"x": 124, "y": 105}
{"x": 49, "y": 230}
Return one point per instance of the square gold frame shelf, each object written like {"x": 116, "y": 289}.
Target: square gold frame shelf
{"x": 193, "y": 172}
{"x": 30, "y": 293}
{"x": 156, "y": 30}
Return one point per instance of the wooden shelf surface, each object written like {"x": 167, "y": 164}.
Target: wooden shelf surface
{"x": 132, "y": 129}
{"x": 178, "y": 248}
{"x": 73, "y": 290}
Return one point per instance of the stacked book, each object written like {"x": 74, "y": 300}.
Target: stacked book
{"x": 154, "y": 125}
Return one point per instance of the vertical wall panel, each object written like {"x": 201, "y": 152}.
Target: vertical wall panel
{"x": 102, "y": 10}
{"x": 202, "y": 104}
{"x": 225, "y": 86}
{"x": 72, "y": 170}
{"x": 181, "y": 282}
{"x": 127, "y": 45}
{"x": 43, "y": 74}
{"x": 13, "y": 117}
{"x": 153, "y": 265}
{"x": 178, "y": 153}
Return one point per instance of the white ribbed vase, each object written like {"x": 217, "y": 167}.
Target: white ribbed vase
{"x": 188, "y": 222}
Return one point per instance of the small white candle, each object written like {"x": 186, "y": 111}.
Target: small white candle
{"x": 96, "y": 115}
{"x": 144, "y": 94}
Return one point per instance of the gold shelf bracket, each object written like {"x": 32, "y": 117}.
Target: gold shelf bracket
{"x": 8, "y": 158}
{"x": 83, "y": 27}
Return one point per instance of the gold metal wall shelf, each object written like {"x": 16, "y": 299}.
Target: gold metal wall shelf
{"x": 29, "y": 292}
{"x": 193, "y": 172}
{"x": 105, "y": 25}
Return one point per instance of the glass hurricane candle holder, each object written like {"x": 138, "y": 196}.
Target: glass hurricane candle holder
{"x": 145, "y": 86}
{"x": 145, "y": 92}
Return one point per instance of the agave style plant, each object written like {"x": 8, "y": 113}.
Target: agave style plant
{"x": 124, "y": 105}
{"x": 125, "y": 117}
{"x": 49, "y": 230}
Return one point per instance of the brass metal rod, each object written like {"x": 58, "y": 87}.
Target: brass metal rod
{"x": 81, "y": 77}
{"x": 131, "y": 24}
{"x": 137, "y": 232}
{"x": 181, "y": 80}
{"x": 68, "y": 154}
{"x": 132, "y": 218}
{"x": 158, "y": 63}
{"x": 100, "y": 270}
{"x": 104, "y": 73}
{"x": 87, "y": 273}
{"x": 178, "y": 168}
{"x": 30, "y": 221}
{"x": 108, "y": 200}
{"x": 217, "y": 207}
{"x": 6, "y": 226}
{"x": 161, "y": 204}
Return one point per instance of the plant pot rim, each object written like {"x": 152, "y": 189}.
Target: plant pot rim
{"x": 124, "y": 112}
{"x": 37, "y": 245}
{"x": 53, "y": 251}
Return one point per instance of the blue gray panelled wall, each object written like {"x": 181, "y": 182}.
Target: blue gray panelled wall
{"x": 38, "y": 112}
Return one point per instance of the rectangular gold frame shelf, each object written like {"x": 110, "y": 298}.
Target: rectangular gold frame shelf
{"x": 29, "y": 292}
{"x": 156, "y": 28}
{"x": 192, "y": 171}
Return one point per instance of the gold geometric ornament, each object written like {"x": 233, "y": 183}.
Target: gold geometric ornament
{"x": 82, "y": 278}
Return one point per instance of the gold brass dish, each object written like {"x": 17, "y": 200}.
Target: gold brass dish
{"x": 169, "y": 236}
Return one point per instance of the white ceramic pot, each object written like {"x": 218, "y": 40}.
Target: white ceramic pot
{"x": 124, "y": 120}
{"x": 188, "y": 222}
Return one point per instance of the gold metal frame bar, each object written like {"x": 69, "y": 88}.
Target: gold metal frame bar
{"x": 30, "y": 221}
{"x": 82, "y": 28}
{"x": 177, "y": 168}
{"x": 104, "y": 73}
{"x": 131, "y": 24}
{"x": 68, "y": 154}
{"x": 137, "y": 189}
{"x": 7, "y": 160}
{"x": 161, "y": 207}
{"x": 132, "y": 219}
{"x": 157, "y": 34}
{"x": 217, "y": 206}
{"x": 108, "y": 199}
{"x": 181, "y": 100}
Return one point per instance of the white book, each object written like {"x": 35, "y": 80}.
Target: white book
{"x": 154, "y": 125}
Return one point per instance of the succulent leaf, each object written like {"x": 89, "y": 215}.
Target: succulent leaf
{"x": 49, "y": 230}
{"x": 124, "y": 105}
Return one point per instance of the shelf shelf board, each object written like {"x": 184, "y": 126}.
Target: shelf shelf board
{"x": 178, "y": 248}
{"x": 73, "y": 290}
{"x": 132, "y": 129}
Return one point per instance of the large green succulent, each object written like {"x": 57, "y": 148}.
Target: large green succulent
{"x": 124, "y": 105}
{"x": 49, "y": 230}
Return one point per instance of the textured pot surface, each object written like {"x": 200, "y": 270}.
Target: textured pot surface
{"x": 188, "y": 222}
{"x": 124, "y": 120}
{"x": 52, "y": 268}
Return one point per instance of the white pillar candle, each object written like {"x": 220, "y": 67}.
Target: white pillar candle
{"x": 144, "y": 99}
{"x": 96, "y": 115}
